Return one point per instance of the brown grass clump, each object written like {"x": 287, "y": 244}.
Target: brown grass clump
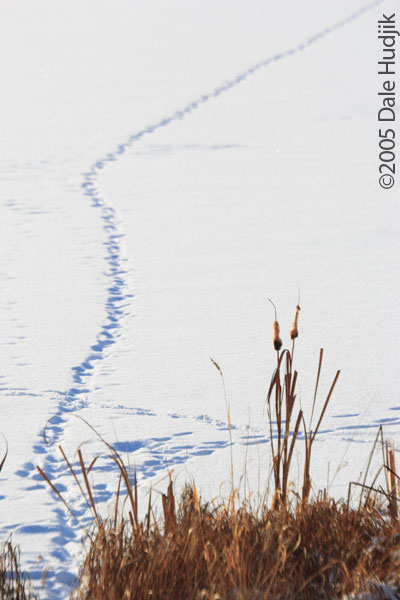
{"x": 14, "y": 584}
{"x": 286, "y": 546}
{"x": 318, "y": 550}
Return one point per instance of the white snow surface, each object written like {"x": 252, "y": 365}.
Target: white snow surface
{"x": 166, "y": 167}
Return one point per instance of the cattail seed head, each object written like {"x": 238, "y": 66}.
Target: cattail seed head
{"x": 294, "y": 332}
{"x": 276, "y": 338}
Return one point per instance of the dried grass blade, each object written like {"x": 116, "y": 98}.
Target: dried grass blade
{"x": 92, "y": 464}
{"x": 86, "y": 480}
{"x": 293, "y": 385}
{"x": 369, "y": 464}
{"x": 135, "y": 507}
{"x": 74, "y": 475}
{"x": 148, "y": 511}
{"x": 3, "y": 460}
{"x": 117, "y": 501}
{"x": 326, "y": 404}
{"x": 272, "y": 385}
{"x": 321, "y": 355}
{"x": 294, "y": 436}
{"x": 58, "y": 494}
{"x": 195, "y": 497}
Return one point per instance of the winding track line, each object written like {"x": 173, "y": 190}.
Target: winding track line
{"x": 118, "y": 296}
{"x": 117, "y": 292}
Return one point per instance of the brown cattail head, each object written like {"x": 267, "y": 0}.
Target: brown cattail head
{"x": 294, "y": 332}
{"x": 276, "y": 339}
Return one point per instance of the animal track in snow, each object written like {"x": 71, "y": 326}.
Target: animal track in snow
{"x": 159, "y": 452}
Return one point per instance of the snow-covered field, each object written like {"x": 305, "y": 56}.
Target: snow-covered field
{"x": 166, "y": 166}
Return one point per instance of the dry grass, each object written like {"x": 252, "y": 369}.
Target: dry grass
{"x": 317, "y": 550}
{"x": 287, "y": 546}
{"x": 14, "y": 584}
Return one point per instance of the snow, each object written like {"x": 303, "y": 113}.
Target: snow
{"x": 166, "y": 168}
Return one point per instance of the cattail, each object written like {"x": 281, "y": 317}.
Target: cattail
{"x": 294, "y": 332}
{"x": 276, "y": 339}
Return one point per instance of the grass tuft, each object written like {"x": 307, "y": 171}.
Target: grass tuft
{"x": 290, "y": 545}
{"x": 14, "y": 584}
{"x": 317, "y": 550}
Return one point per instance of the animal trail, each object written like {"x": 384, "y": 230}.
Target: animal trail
{"x": 159, "y": 452}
